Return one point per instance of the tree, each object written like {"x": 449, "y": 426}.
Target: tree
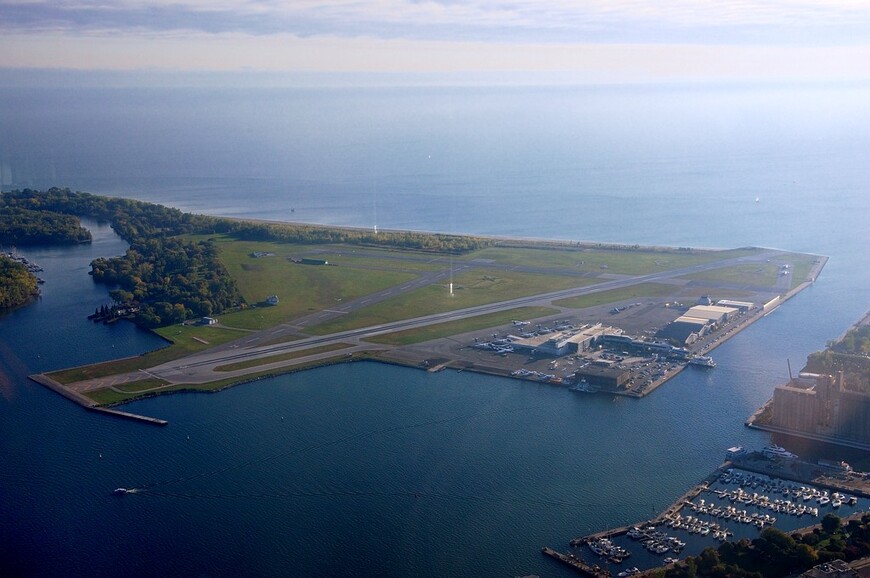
{"x": 831, "y": 523}
{"x": 805, "y": 556}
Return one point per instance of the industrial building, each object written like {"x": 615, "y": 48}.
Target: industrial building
{"x": 742, "y": 306}
{"x": 714, "y": 313}
{"x": 683, "y": 328}
{"x": 821, "y": 405}
{"x": 696, "y": 322}
{"x": 605, "y": 377}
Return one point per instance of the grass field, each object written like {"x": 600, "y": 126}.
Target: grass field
{"x": 624, "y": 262}
{"x": 755, "y": 274}
{"x": 477, "y": 287}
{"x": 460, "y": 326}
{"x": 641, "y": 291}
{"x": 801, "y": 267}
{"x": 301, "y": 289}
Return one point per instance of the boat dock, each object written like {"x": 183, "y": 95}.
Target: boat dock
{"x": 673, "y": 509}
{"x": 576, "y": 563}
{"x": 90, "y": 404}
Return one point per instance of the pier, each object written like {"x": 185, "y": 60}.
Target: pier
{"x": 575, "y": 563}
{"x": 673, "y": 509}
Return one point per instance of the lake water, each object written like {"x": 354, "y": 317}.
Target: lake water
{"x": 379, "y": 470}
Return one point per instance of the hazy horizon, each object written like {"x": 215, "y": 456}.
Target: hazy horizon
{"x": 591, "y": 41}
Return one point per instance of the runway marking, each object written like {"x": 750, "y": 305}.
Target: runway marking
{"x": 334, "y": 311}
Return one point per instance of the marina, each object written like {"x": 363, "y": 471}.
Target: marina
{"x": 728, "y": 505}
{"x": 31, "y": 266}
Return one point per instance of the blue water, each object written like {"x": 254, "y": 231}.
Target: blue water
{"x": 378, "y": 470}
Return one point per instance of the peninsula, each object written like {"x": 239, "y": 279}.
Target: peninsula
{"x": 242, "y": 300}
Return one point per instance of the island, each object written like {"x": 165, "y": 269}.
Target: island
{"x": 241, "y": 300}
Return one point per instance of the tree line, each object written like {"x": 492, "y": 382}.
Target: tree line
{"x": 169, "y": 278}
{"x": 165, "y": 278}
{"x": 17, "y": 284}
{"x": 774, "y": 553}
{"x": 20, "y": 226}
{"x": 314, "y": 234}
{"x": 851, "y": 355}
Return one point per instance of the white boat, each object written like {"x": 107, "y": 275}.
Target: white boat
{"x": 121, "y": 491}
{"x": 775, "y": 451}
{"x": 703, "y": 361}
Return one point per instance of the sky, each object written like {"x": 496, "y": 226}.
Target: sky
{"x": 599, "y": 40}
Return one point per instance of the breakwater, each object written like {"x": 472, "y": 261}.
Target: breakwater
{"x": 90, "y": 404}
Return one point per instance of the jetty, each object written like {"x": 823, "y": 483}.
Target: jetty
{"x": 576, "y": 563}
{"x": 88, "y": 403}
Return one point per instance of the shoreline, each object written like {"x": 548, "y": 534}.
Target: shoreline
{"x": 419, "y": 357}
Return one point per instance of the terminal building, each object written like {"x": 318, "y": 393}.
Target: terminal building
{"x": 564, "y": 342}
{"x": 821, "y": 405}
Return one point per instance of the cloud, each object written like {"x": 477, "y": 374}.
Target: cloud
{"x": 630, "y": 39}
{"x": 551, "y": 21}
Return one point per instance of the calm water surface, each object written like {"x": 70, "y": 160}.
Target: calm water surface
{"x": 378, "y": 470}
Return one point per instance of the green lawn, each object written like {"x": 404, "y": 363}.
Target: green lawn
{"x": 754, "y": 274}
{"x": 460, "y": 326}
{"x": 141, "y": 385}
{"x": 623, "y": 262}
{"x": 471, "y": 288}
{"x": 801, "y": 267}
{"x": 301, "y": 289}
